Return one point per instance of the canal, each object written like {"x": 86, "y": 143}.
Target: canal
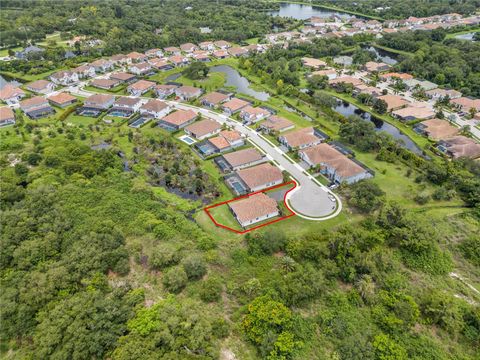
{"x": 303, "y": 12}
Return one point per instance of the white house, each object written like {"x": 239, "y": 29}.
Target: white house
{"x": 64, "y": 78}
{"x": 11, "y": 94}
{"x": 155, "y": 108}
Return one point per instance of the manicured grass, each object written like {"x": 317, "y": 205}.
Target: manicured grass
{"x": 452, "y": 35}
{"x": 213, "y": 81}
{"x": 224, "y": 216}
{"x": 117, "y": 90}
{"x": 80, "y": 120}
{"x": 4, "y": 52}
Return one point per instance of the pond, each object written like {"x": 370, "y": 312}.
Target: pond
{"x": 347, "y": 109}
{"x": 468, "y": 36}
{"x": 385, "y": 56}
{"x": 4, "y": 80}
{"x": 303, "y": 12}
{"x": 238, "y": 81}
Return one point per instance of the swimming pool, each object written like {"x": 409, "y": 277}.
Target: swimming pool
{"x": 119, "y": 113}
{"x": 139, "y": 122}
{"x": 187, "y": 139}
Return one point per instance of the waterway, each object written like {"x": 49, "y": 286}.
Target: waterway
{"x": 468, "y": 36}
{"x": 4, "y": 80}
{"x": 303, "y": 12}
{"x": 347, "y": 109}
{"x": 385, "y": 56}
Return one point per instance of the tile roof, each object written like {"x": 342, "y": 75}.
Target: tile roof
{"x": 9, "y": 91}
{"x": 100, "y": 98}
{"x": 231, "y": 135}
{"x": 104, "y": 83}
{"x": 253, "y": 207}
{"x": 38, "y": 85}
{"x": 300, "y": 137}
{"x": 235, "y": 104}
{"x": 127, "y": 101}
{"x": 62, "y": 98}
{"x": 260, "y": 175}
{"x": 393, "y": 101}
{"x": 277, "y": 123}
{"x": 242, "y": 157}
{"x": 34, "y": 101}
{"x": 123, "y": 76}
{"x": 415, "y": 112}
{"x": 461, "y": 146}
{"x": 219, "y": 142}
{"x": 180, "y": 117}
{"x": 6, "y": 113}
{"x": 439, "y": 129}
{"x": 203, "y": 127}
{"x": 154, "y": 105}
{"x": 142, "y": 85}
{"x": 215, "y": 97}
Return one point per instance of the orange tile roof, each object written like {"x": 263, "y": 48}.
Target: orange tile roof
{"x": 260, "y": 175}
{"x": 203, "y": 127}
{"x": 180, "y": 117}
{"x": 62, "y": 98}
{"x": 253, "y": 207}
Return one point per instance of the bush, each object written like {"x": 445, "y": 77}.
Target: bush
{"x": 175, "y": 279}
{"x": 194, "y": 266}
{"x": 210, "y": 289}
{"x": 267, "y": 243}
{"x": 366, "y": 196}
{"x": 164, "y": 255}
{"x": 422, "y": 198}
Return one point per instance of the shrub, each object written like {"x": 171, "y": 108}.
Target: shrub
{"x": 164, "y": 255}
{"x": 194, "y": 266}
{"x": 210, "y": 289}
{"x": 175, "y": 279}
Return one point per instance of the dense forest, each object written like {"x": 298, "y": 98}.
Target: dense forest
{"x": 399, "y": 9}
{"x": 136, "y": 25}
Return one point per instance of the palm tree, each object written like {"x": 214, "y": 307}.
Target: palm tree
{"x": 366, "y": 287}
{"x": 287, "y": 264}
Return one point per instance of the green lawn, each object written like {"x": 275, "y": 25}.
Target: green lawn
{"x": 80, "y": 120}
{"x": 224, "y": 216}
{"x": 452, "y": 35}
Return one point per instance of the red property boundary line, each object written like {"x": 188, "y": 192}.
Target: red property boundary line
{"x": 206, "y": 209}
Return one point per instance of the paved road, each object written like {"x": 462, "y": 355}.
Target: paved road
{"x": 310, "y": 199}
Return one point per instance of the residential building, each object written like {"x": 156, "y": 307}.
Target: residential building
{"x": 120, "y": 59}
{"x": 207, "y": 45}
{"x": 237, "y": 51}
{"x": 85, "y": 71}
{"x": 277, "y": 124}
{"x": 253, "y": 209}
{"x": 240, "y": 159}
{"x": 128, "y": 104}
{"x": 225, "y": 141}
{"x": 99, "y": 101}
{"x": 155, "y": 108}
{"x": 372, "y": 66}
{"x": 136, "y": 57}
{"x": 414, "y": 113}
{"x": 102, "y": 65}
{"x": 11, "y": 94}
{"x": 423, "y": 84}
{"x": 28, "y": 51}
{"x": 154, "y": 53}
{"x": 439, "y": 93}
{"x": 251, "y": 115}
{"x": 260, "y": 177}
{"x": 345, "y": 80}
{"x": 312, "y": 63}
{"x": 394, "y": 102}
{"x": 160, "y": 64}
{"x": 178, "y": 60}
{"x": 188, "y": 47}
{"x": 7, "y": 116}
{"x": 188, "y": 92}
{"x": 436, "y": 129}
{"x": 460, "y": 146}
{"x": 221, "y": 54}
{"x": 36, "y": 107}
{"x": 203, "y": 129}
{"x": 64, "y": 78}
{"x": 40, "y": 87}
{"x": 178, "y": 119}
{"x": 141, "y": 69}
{"x": 465, "y": 104}
{"x": 172, "y": 50}
{"x": 104, "y": 83}
{"x": 222, "y": 44}
{"x": 333, "y": 164}
{"x": 123, "y": 77}
{"x": 164, "y": 91}
{"x": 394, "y": 75}
{"x": 302, "y": 138}
{"x": 329, "y": 73}
{"x": 140, "y": 87}
{"x": 214, "y": 99}
{"x": 234, "y": 105}
{"x": 62, "y": 99}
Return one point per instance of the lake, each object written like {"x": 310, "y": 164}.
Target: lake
{"x": 347, "y": 109}
{"x": 233, "y": 78}
{"x": 4, "y": 80}
{"x": 385, "y": 56}
{"x": 303, "y": 12}
{"x": 468, "y": 36}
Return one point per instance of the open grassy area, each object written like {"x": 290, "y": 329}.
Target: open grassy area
{"x": 213, "y": 81}
{"x": 224, "y": 216}
{"x": 467, "y": 31}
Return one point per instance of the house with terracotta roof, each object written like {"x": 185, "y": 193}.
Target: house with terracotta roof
{"x": 123, "y": 77}
{"x": 104, "y": 83}
{"x": 333, "y": 164}
{"x": 345, "y": 80}
{"x": 225, "y": 141}
{"x": 234, "y": 105}
{"x": 85, "y": 71}
{"x": 203, "y": 129}
{"x": 253, "y": 209}
{"x": 237, "y": 51}
{"x": 207, "y": 45}
{"x": 277, "y": 124}
{"x": 40, "y": 87}
{"x": 155, "y": 108}
{"x": 102, "y": 65}
{"x": 188, "y": 92}
{"x": 36, "y": 107}
{"x": 302, "y": 138}
{"x": 7, "y": 116}
{"x": 214, "y": 99}
{"x": 414, "y": 113}
{"x": 312, "y": 63}
{"x": 178, "y": 119}
{"x": 366, "y": 89}
{"x": 394, "y": 102}
{"x": 140, "y": 87}
{"x": 62, "y": 99}
{"x": 222, "y": 44}
{"x": 203, "y": 57}
{"x": 394, "y": 75}
{"x": 221, "y": 54}
{"x": 154, "y": 53}
{"x": 464, "y": 104}
{"x": 11, "y": 94}
{"x": 160, "y": 64}
{"x": 99, "y": 101}
{"x": 127, "y": 104}
{"x": 460, "y": 146}
{"x": 64, "y": 78}
{"x": 141, "y": 69}
{"x": 372, "y": 66}
{"x": 436, "y": 129}
{"x": 164, "y": 91}
{"x": 178, "y": 60}
{"x": 136, "y": 57}
{"x": 120, "y": 59}
{"x": 329, "y": 73}
{"x": 172, "y": 50}
{"x": 260, "y": 177}
{"x": 251, "y": 115}
{"x": 240, "y": 159}
{"x": 188, "y": 47}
